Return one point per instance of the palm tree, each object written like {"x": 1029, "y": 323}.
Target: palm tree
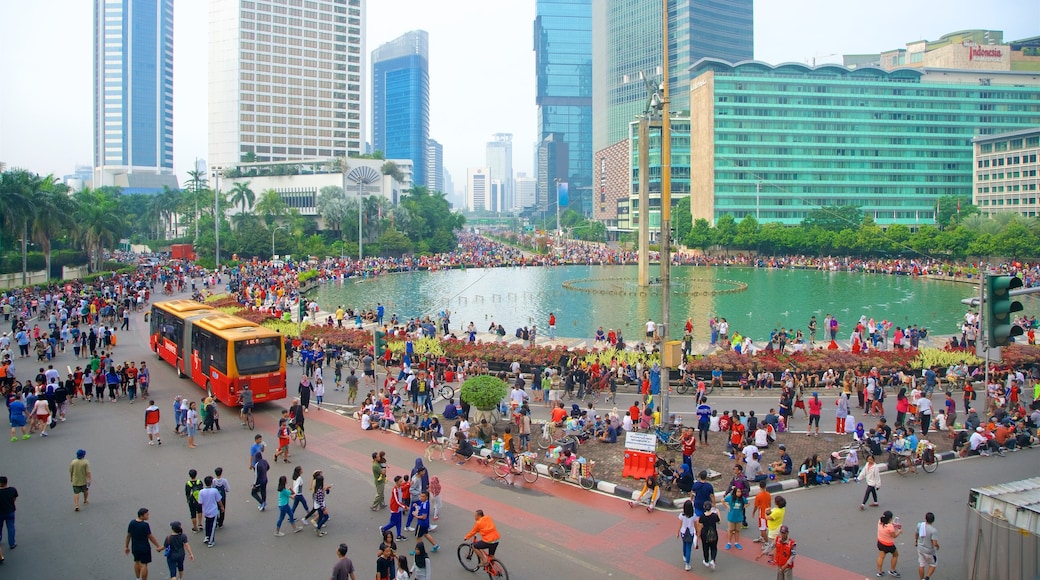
{"x": 53, "y": 216}
{"x": 241, "y": 195}
{"x": 17, "y": 203}
{"x": 270, "y": 205}
{"x": 100, "y": 225}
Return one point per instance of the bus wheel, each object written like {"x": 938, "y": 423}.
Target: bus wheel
{"x": 180, "y": 373}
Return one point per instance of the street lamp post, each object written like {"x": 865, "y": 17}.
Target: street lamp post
{"x": 216, "y": 217}
{"x": 666, "y": 212}
{"x": 273, "y": 230}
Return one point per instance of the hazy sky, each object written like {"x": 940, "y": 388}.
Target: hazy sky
{"x": 481, "y": 65}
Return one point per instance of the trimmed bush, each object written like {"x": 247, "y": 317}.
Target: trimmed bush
{"x": 484, "y": 392}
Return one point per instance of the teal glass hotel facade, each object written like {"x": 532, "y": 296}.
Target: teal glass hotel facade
{"x": 780, "y": 141}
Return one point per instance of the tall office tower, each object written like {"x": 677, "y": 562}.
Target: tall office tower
{"x": 478, "y": 189}
{"x": 449, "y": 190}
{"x": 286, "y": 79}
{"x": 626, "y": 47}
{"x": 525, "y": 188}
{"x": 435, "y": 166}
{"x": 133, "y": 94}
{"x": 500, "y": 165}
{"x": 563, "y": 67}
{"x": 401, "y": 100}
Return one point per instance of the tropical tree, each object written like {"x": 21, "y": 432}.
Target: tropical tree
{"x": 271, "y": 206}
{"x": 99, "y": 223}
{"x": 390, "y": 168}
{"x": 53, "y": 216}
{"x": 240, "y": 195}
{"x": 332, "y": 206}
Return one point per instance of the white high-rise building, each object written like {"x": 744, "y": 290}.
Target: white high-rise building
{"x": 287, "y": 79}
{"x": 500, "y": 164}
{"x": 526, "y": 189}
{"x": 478, "y": 189}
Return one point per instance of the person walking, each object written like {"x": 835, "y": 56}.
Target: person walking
{"x": 872, "y": 474}
{"x": 259, "y": 491}
{"x": 927, "y": 546}
{"x": 421, "y": 564}
{"x": 815, "y": 408}
{"x": 297, "y": 490}
{"x": 709, "y": 534}
{"x": 343, "y": 569}
{"x": 80, "y": 476}
{"x": 191, "y": 421}
{"x": 421, "y": 510}
{"x": 888, "y": 530}
{"x": 176, "y": 546}
{"x": 396, "y": 508}
{"x": 284, "y": 495}
{"x": 138, "y": 536}
{"x": 379, "y": 478}
{"x": 320, "y": 507}
{"x": 687, "y": 532}
{"x": 220, "y": 483}
{"x": 8, "y": 495}
{"x": 211, "y": 506}
{"x": 151, "y": 423}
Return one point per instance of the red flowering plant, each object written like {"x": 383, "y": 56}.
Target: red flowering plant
{"x": 351, "y": 339}
{"x": 1018, "y": 355}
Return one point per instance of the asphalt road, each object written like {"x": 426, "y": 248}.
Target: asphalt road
{"x": 549, "y": 530}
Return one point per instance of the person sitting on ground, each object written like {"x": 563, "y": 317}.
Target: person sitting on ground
{"x": 807, "y": 473}
{"x": 485, "y": 432}
{"x": 834, "y": 468}
{"x": 463, "y": 448}
{"x": 762, "y": 436}
{"x": 558, "y": 415}
{"x": 366, "y": 420}
{"x": 754, "y": 471}
{"x": 651, "y": 491}
{"x": 450, "y": 410}
{"x": 609, "y": 434}
{"x": 783, "y": 465}
{"x": 685, "y": 479}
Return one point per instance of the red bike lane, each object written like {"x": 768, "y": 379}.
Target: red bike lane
{"x": 634, "y": 545}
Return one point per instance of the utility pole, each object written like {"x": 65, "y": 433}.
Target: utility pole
{"x": 216, "y": 218}
{"x": 644, "y": 200}
{"x": 666, "y": 210}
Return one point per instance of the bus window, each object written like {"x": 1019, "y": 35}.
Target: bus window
{"x": 258, "y": 355}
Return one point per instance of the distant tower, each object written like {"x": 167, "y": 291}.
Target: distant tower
{"x": 500, "y": 164}
{"x": 478, "y": 189}
{"x": 435, "y": 166}
{"x": 401, "y": 100}
{"x": 133, "y": 94}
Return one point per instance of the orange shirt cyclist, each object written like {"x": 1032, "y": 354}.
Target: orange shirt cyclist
{"x": 485, "y": 527}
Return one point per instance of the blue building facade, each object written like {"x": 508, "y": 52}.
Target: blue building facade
{"x": 133, "y": 89}
{"x": 563, "y": 67}
{"x": 401, "y": 100}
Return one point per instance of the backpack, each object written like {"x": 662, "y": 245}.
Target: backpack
{"x": 196, "y": 487}
{"x": 879, "y": 392}
{"x": 711, "y": 535}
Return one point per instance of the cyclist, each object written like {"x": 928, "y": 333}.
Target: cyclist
{"x": 485, "y": 527}
{"x": 245, "y": 398}
{"x": 296, "y": 417}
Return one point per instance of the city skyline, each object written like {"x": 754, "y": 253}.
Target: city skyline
{"x": 50, "y": 131}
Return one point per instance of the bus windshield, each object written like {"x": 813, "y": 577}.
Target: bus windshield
{"x": 258, "y": 355}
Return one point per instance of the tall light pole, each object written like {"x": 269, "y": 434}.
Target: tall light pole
{"x": 666, "y": 209}
{"x": 362, "y": 175}
{"x": 758, "y": 203}
{"x": 273, "y": 230}
{"x": 216, "y": 217}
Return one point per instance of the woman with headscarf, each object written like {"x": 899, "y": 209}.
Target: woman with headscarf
{"x": 841, "y": 413}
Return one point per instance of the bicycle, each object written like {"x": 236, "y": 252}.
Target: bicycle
{"x": 670, "y": 438}
{"x": 296, "y": 434}
{"x": 928, "y": 462}
{"x": 548, "y": 438}
{"x": 559, "y": 473}
{"x": 248, "y": 416}
{"x": 501, "y": 468}
{"x": 494, "y": 568}
{"x": 350, "y": 360}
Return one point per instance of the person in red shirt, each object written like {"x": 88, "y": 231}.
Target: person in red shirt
{"x": 689, "y": 446}
{"x": 633, "y": 411}
{"x": 559, "y": 415}
{"x": 815, "y": 408}
{"x": 736, "y": 438}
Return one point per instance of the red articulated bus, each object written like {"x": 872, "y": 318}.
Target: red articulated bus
{"x": 219, "y": 352}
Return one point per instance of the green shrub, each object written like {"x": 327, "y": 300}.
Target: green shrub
{"x": 484, "y": 392}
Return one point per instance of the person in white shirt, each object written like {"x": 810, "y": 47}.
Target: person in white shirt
{"x": 651, "y": 329}
{"x": 761, "y": 437}
{"x": 515, "y": 367}
{"x": 749, "y": 451}
{"x": 366, "y": 421}
{"x": 979, "y": 443}
{"x": 464, "y": 427}
{"x": 626, "y": 423}
{"x": 518, "y": 396}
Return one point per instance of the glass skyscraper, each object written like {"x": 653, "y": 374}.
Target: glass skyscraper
{"x": 563, "y": 67}
{"x": 133, "y": 92}
{"x": 627, "y": 43}
{"x": 401, "y": 100}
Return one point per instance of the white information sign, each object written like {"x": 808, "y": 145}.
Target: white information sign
{"x": 641, "y": 442}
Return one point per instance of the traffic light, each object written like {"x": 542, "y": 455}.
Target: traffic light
{"x": 379, "y": 343}
{"x": 303, "y": 309}
{"x": 999, "y": 307}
